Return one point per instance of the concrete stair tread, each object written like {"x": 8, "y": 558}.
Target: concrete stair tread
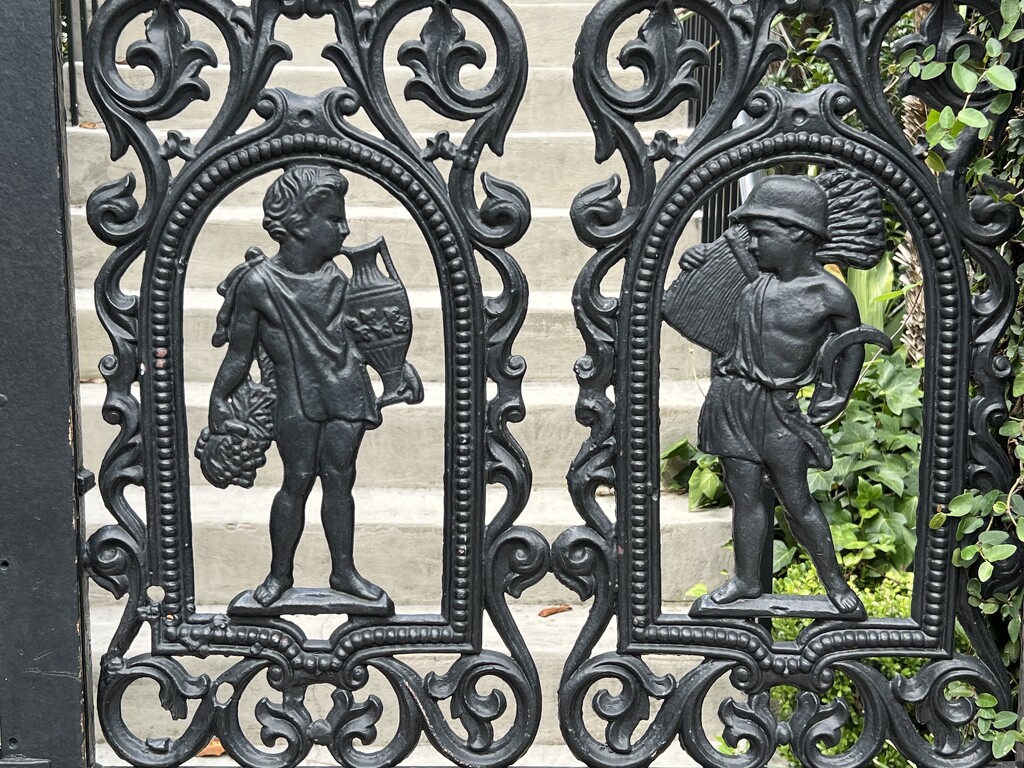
{"x": 207, "y": 299}
{"x": 548, "y": 508}
{"x": 549, "y": 254}
{"x": 231, "y": 527}
{"x": 551, "y": 167}
{"x": 549, "y": 434}
{"x": 685, "y": 395}
{"x": 547, "y": 88}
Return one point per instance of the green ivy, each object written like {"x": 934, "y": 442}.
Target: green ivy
{"x": 869, "y": 496}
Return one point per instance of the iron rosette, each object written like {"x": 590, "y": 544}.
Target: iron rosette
{"x": 848, "y": 127}
{"x": 185, "y": 179}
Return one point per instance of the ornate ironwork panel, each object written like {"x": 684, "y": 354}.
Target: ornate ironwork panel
{"x": 299, "y": 335}
{"x": 775, "y": 320}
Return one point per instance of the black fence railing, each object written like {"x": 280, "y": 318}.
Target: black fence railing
{"x": 716, "y": 210}
{"x": 75, "y": 16}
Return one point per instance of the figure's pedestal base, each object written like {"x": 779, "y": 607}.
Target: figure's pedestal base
{"x": 773, "y": 606}
{"x": 311, "y": 601}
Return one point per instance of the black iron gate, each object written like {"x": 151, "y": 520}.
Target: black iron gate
{"x": 313, "y": 358}
{"x": 775, "y": 321}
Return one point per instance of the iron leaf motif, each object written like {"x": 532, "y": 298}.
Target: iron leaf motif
{"x": 175, "y": 61}
{"x": 437, "y": 60}
{"x": 667, "y": 59}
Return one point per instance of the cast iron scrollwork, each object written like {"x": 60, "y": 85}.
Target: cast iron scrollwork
{"x": 485, "y": 562}
{"x": 848, "y": 131}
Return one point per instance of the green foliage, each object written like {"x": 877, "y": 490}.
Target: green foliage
{"x": 870, "y": 495}
{"x": 687, "y": 469}
{"x": 889, "y": 596}
{"x": 989, "y": 529}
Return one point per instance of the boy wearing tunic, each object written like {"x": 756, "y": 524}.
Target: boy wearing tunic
{"x": 783, "y": 318}
{"x": 292, "y": 304}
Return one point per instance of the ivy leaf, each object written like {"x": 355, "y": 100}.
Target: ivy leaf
{"x": 781, "y": 555}
{"x": 935, "y": 163}
{"x": 961, "y": 505}
{"x": 947, "y": 117}
{"x": 935, "y": 69}
{"x": 1020, "y": 529}
{"x": 999, "y": 552}
{"x": 1010, "y": 11}
{"x": 972, "y": 117}
{"x": 1005, "y": 719}
{"x": 1018, "y": 384}
{"x": 937, "y": 521}
{"x": 1001, "y": 77}
{"x": 1010, "y": 429}
{"x": 985, "y": 571}
{"x": 965, "y": 79}
{"x": 968, "y": 525}
{"x": 891, "y": 477}
{"x": 1001, "y": 103}
{"x": 1002, "y": 744}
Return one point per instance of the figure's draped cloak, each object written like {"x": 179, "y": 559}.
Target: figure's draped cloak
{"x": 746, "y": 403}
{"x": 324, "y": 364}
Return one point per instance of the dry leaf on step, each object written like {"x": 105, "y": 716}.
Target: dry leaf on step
{"x": 551, "y": 610}
{"x": 213, "y": 749}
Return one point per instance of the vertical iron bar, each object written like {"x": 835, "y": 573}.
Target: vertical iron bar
{"x": 44, "y": 714}
{"x": 72, "y": 68}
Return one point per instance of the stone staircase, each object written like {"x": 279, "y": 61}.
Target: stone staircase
{"x": 400, "y": 468}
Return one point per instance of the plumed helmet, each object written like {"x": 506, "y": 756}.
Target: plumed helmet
{"x": 795, "y": 200}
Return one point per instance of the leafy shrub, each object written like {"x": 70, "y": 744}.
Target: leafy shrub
{"x": 889, "y": 596}
{"x": 869, "y": 496}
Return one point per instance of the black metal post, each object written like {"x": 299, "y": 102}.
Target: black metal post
{"x": 44, "y": 715}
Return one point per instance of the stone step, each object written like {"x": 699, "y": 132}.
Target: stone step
{"x": 549, "y": 102}
{"x": 231, "y": 540}
{"x": 548, "y": 339}
{"x": 425, "y": 756}
{"x": 551, "y": 167}
{"x": 407, "y": 451}
{"x": 550, "y": 27}
{"x": 549, "y": 253}
{"x": 548, "y": 639}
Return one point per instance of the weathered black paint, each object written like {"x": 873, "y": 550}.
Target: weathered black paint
{"x": 43, "y": 714}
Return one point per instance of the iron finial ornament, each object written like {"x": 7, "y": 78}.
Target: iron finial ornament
{"x": 311, "y": 317}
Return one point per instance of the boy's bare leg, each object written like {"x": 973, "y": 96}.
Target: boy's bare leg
{"x": 340, "y": 445}
{"x": 810, "y": 527}
{"x": 751, "y": 526}
{"x": 297, "y": 441}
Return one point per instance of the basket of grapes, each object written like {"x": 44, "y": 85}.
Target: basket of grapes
{"x": 232, "y": 457}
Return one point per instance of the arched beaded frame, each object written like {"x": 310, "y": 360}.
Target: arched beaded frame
{"x": 163, "y": 391}
{"x": 486, "y": 557}
{"x": 643, "y": 627}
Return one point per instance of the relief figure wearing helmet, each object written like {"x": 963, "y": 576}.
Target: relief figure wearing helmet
{"x": 777, "y": 321}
